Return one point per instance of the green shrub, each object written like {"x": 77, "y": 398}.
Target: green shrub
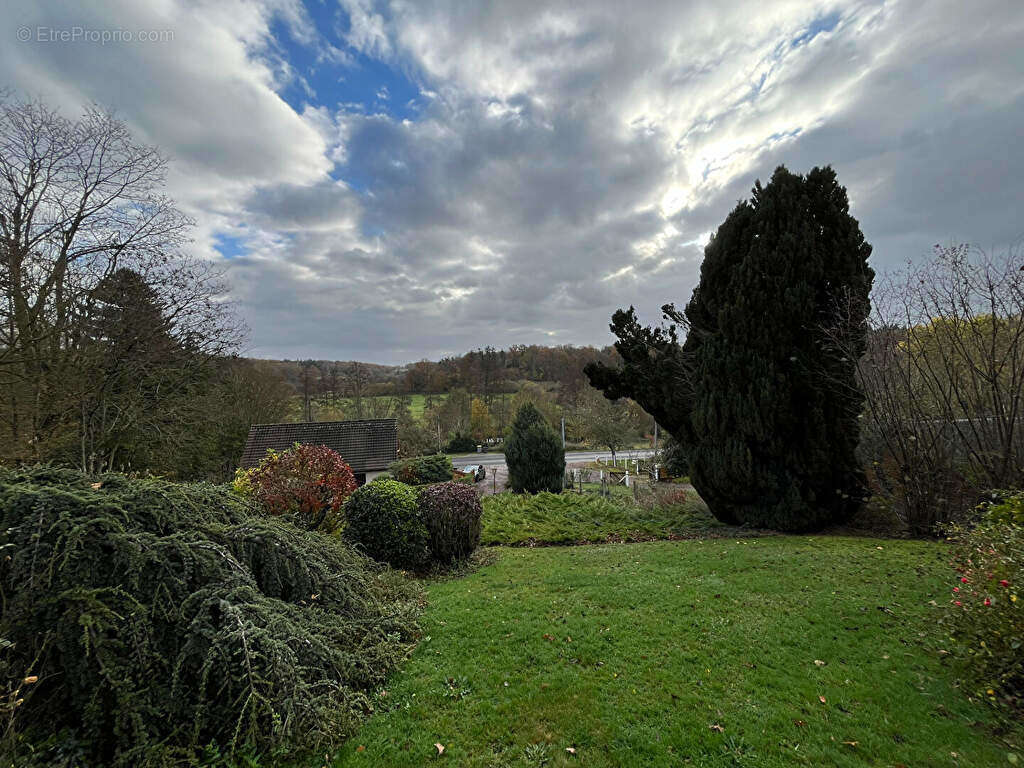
{"x": 451, "y": 511}
{"x": 383, "y": 519}
{"x": 159, "y": 617}
{"x": 985, "y": 618}
{"x": 1005, "y": 507}
{"x": 420, "y": 470}
{"x": 533, "y": 453}
{"x": 306, "y": 483}
{"x": 461, "y": 444}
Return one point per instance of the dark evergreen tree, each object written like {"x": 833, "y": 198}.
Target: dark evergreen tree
{"x": 765, "y": 404}
{"x": 533, "y": 453}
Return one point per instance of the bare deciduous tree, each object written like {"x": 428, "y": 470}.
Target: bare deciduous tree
{"x": 79, "y": 202}
{"x": 943, "y": 378}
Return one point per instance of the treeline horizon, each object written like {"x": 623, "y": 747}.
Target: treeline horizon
{"x": 485, "y": 371}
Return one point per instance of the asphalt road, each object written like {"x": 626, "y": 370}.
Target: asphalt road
{"x": 573, "y": 457}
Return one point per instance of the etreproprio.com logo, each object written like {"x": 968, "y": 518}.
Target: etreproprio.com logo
{"x": 105, "y": 36}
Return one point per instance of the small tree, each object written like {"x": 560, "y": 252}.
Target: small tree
{"x": 480, "y": 419}
{"x": 605, "y": 422}
{"x": 533, "y": 393}
{"x": 533, "y": 452}
{"x": 307, "y": 483}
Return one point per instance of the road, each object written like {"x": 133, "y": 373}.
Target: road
{"x": 573, "y": 457}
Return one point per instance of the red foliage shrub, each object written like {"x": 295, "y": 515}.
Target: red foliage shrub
{"x": 307, "y": 483}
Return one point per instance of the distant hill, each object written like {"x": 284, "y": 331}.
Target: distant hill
{"x": 480, "y": 370}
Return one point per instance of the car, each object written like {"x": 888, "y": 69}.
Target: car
{"x": 477, "y": 470}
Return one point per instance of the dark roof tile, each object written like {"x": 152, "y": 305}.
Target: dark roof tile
{"x": 368, "y": 446}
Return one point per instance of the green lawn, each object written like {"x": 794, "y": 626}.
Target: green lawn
{"x": 569, "y": 518}
{"x": 702, "y": 652}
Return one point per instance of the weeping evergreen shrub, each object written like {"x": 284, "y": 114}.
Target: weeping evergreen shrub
{"x": 533, "y": 452}
{"x": 382, "y": 519}
{"x": 155, "y": 618}
{"x": 451, "y": 512}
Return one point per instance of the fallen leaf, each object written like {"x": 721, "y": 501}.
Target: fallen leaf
{"x": 360, "y": 748}
{"x": 799, "y": 723}
{"x": 717, "y": 727}
{"x": 850, "y": 743}
{"x": 571, "y": 750}
{"x": 821, "y": 699}
{"x": 440, "y": 748}
{"x": 819, "y": 663}
{"x": 549, "y": 638}
{"x": 96, "y": 486}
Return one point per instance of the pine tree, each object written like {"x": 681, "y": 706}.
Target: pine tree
{"x": 764, "y": 404}
{"x": 533, "y": 453}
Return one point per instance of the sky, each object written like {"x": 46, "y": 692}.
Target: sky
{"x": 393, "y": 181}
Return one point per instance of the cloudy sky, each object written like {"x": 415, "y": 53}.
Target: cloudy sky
{"x": 392, "y": 181}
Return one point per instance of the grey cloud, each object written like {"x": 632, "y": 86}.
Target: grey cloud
{"x": 566, "y": 157}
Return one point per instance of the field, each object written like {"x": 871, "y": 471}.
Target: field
{"x": 717, "y": 652}
{"x": 346, "y": 409}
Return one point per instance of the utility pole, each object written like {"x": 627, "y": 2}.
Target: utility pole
{"x": 563, "y": 452}
{"x": 655, "y": 437}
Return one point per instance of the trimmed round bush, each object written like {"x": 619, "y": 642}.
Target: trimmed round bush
{"x": 144, "y": 620}
{"x": 383, "y": 519}
{"x": 451, "y": 512}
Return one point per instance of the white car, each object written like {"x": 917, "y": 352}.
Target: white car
{"x": 479, "y": 473}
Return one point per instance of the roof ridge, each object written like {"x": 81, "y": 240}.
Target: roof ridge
{"x": 312, "y": 423}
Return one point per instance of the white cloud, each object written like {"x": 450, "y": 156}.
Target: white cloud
{"x": 566, "y": 159}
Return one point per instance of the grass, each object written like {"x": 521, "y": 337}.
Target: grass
{"x": 568, "y": 518}
{"x": 702, "y": 652}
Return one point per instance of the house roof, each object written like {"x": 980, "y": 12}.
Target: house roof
{"x": 368, "y": 446}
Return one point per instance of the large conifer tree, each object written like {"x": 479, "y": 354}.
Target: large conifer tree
{"x": 765, "y": 405}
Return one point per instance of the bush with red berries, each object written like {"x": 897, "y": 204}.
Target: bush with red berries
{"x": 985, "y": 618}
